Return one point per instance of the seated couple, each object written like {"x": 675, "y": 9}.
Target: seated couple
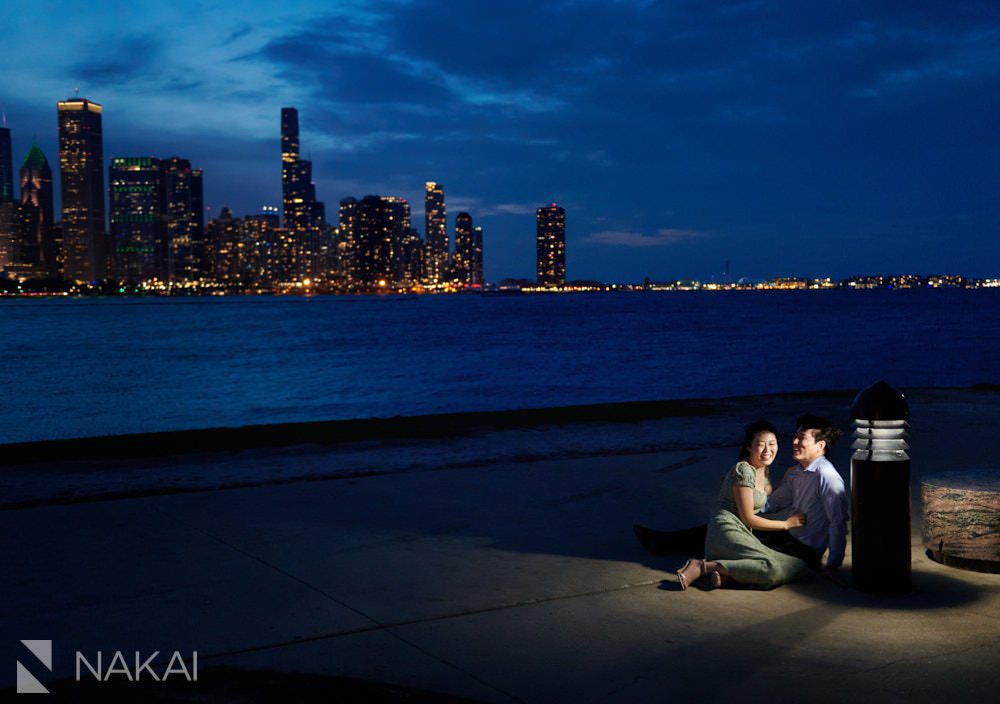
{"x": 742, "y": 544}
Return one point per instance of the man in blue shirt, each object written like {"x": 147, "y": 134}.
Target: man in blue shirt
{"x": 813, "y": 487}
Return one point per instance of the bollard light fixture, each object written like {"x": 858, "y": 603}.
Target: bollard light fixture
{"x": 880, "y": 492}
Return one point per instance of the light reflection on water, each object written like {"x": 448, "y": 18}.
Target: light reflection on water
{"x": 92, "y": 367}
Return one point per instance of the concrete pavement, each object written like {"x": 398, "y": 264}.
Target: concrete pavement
{"x": 519, "y": 581}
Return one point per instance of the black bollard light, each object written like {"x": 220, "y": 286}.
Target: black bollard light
{"x": 880, "y": 492}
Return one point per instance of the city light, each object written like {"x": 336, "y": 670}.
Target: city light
{"x": 159, "y": 243}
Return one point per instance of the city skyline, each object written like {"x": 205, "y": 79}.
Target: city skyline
{"x": 158, "y": 241}
{"x": 789, "y": 141}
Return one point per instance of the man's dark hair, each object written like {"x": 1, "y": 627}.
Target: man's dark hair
{"x": 822, "y": 428}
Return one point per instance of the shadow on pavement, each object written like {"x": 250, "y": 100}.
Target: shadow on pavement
{"x": 239, "y": 686}
{"x": 930, "y": 591}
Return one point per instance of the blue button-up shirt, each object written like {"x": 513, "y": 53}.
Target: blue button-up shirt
{"x": 818, "y": 492}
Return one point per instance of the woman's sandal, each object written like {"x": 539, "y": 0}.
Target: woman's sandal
{"x": 683, "y": 580}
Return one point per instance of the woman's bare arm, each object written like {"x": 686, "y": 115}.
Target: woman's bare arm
{"x": 744, "y": 503}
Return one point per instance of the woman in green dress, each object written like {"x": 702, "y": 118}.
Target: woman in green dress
{"x": 732, "y": 551}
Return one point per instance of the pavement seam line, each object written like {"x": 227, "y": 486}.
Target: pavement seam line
{"x": 526, "y": 602}
{"x": 924, "y": 658}
{"x": 414, "y": 622}
{"x": 389, "y": 627}
{"x": 276, "y": 568}
{"x": 378, "y": 625}
{"x": 985, "y": 615}
{"x": 452, "y": 665}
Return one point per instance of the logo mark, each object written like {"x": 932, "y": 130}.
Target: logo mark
{"x": 26, "y": 682}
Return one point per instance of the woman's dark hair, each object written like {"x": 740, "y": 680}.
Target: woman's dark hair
{"x": 758, "y": 426}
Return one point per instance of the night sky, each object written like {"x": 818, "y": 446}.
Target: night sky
{"x": 790, "y": 138}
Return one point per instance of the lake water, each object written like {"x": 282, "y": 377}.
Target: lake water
{"x": 72, "y": 368}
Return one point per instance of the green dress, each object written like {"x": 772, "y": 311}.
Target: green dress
{"x": 734, "y": 546}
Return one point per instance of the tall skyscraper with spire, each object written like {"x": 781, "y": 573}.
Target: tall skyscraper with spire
{"x": 81, "y": 177}
{"x": 436, "y": 233}
{"x": 304, "y": 216}
{"x": 36, "y": 242}
{"x": 551, "y": 245}
{"x": 289, "y": 135}
{"x": 293, "y": 185}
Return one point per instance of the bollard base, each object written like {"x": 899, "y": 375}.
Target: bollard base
{"x": 880, "y": 526}
{"x": 887, "y": 583}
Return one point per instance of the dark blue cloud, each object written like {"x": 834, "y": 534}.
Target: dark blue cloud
{"x": 767, "y": 122}
{"x": 120, "y": 61}
{"x": 797, "y": 134}
{"x": 348, "y": 76}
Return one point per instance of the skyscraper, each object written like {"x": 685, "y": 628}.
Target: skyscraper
{"x": 464, "y": 249}
{"x": 304, "y": 216}
{"x": 283, "y": 263}
{"x": 263, "y": 264}
{"x": 551, "y": 245}
{"x": 6, "y": 165}
{"x": 137, "y": 210}
{"x": 289, "y": 135}
{"x": 347, "y": 248}
{"x": 295, "y": 193}
{"x": 81, "y": 176}
{"x": 383, "y": 223}
{"x": 182, "y": 209}
{"x": 411, "y": 268}
{"x": 436, "y": 233}
{"x": 295, "y": 174}
{"x": 477, "y": 263}
{"x": 228, "y": 260}
{"x": 36, "y": 243}
{"x": 8, "y": 233}
{"x": 8, "y": 208}
{"x": 199, "y": 247}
